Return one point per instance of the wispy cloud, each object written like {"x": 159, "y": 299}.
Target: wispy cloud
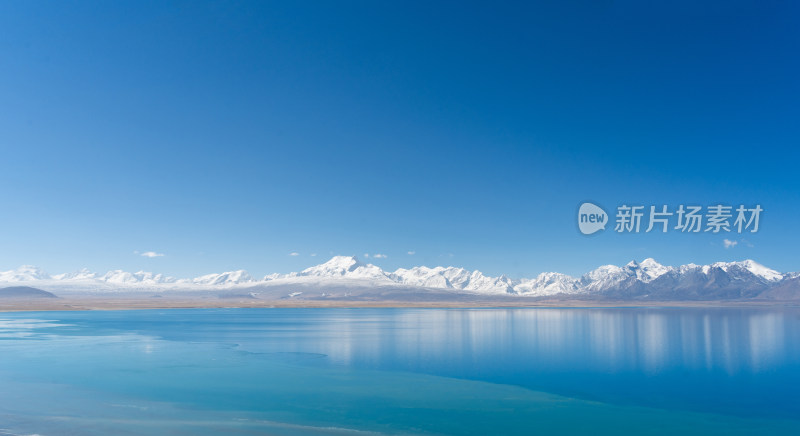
{"x": 313, "y": 254}
{"x": 366, "y": 254}
{"x": 729, "y": 244}
{"x": 294, "y": 253}
{"x": 411, "y": 253}
{"x": 151, "y": 254}
{"x": 380, "y": 256}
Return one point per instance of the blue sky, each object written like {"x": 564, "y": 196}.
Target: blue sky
{"x": 230, "y": 134}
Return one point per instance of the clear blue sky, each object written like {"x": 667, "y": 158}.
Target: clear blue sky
{"x": 231, "y": 134}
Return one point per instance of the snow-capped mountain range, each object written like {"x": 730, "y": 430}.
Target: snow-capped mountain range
{"x": 648, "y": 279}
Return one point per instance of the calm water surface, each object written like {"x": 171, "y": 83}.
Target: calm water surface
{"x": 401, "y": 371}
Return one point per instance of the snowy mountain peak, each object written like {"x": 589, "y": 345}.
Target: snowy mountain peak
{"x": 751, "y": 266}
{"x": 336, "y": 266}
{"x": 81, "y": 274}
{"x": 548, "y": 283}
{"x": 649, "y": 269}
{"x": 120, "y": 277}
{"x": 226, "y": 278}
{"x": 650, "y": 262}
{"x": 762, "y": 271}
{"x": 23, "y": 274}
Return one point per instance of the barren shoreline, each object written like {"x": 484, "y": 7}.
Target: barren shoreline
{"x": 79, "y": 304}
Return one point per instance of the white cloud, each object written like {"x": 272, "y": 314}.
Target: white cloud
{"x": 294, "y": 253}
{"x": 729, "y": 244}
{"x": 411, "y": 253}
{"x": 151, "y": 254}
{"x": 366, "y": 254}
{"x": 380, "y": 256}
{"x": 313, "y": 254}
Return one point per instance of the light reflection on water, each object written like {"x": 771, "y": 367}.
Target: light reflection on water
{"x": 722, "y": 360}
{"x": 606, "y": 340}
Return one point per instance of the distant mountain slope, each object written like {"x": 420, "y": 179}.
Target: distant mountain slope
{"x": 637, "y": 280}
{"x": 24, "y": 292}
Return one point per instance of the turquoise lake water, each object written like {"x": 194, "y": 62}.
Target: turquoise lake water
{"x": 401, "y": 371}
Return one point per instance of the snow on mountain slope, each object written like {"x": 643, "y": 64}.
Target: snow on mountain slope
{"x": 227, "y": 278}
{"x": 744, "y": 279}
{"x": 338, "y": 266}
{"x": 422, "y": 276}
{"x": 612, "y": 277}
{"x": 649, "y": 269}
{"x": 604, "y": 277}
{"x": 25, "y": 273}
{"x": 82, "y": 274}
{"x": 751, "y": 267}
{"x": 478, "y": 282}
{"x": 140, "y": 277}
{"x": 548, "y": 284}
{"x": 452, "y": 278}
{"x": 345, "y": 266}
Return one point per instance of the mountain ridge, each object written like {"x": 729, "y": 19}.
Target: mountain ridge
{"x": 645, "y": 279}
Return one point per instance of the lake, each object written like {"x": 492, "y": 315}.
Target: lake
{"x": 401, "y": 371}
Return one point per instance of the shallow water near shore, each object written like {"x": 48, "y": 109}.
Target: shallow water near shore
{"x": 401, "y": 371}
